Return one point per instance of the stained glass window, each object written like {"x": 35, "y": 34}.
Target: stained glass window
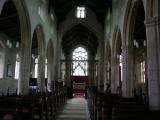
{"x": 80, "y": 64}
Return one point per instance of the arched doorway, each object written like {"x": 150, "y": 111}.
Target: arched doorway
{"x": 79, "y": 36}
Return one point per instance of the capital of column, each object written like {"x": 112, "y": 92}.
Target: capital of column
{"x": 152, "y": 21}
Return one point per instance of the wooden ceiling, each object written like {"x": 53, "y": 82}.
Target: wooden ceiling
{"x": 62, "y": 7}
{"x": 9, "y": 21}
{"x": 78, "y": 35}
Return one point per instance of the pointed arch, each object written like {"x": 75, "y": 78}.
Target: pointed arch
{"x": 39, "y": 35}
{"x": 129, "y": 19}
{"x": 133, "y": 30}
{"x": 25, "y": 40}
{"x": 38, "y": 50}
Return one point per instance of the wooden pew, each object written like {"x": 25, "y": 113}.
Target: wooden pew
{"x": 130, "y": 109}
{"x": 8, "y": 108}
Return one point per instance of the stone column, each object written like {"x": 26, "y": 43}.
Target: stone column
{"x": 67, "y": 78}
{"x": 124, "y": 73}
{"x": 101, "y": 75}
{"x": 153, "y": 59}
{"x": 91, "y": 72}
{"x": 23, "y": 83}
{"x": 41, "y": 73}
{"x": 127, "y": 84}
{"x": 114, "y": 74}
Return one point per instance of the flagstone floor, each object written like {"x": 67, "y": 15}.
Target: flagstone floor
{"x": 75, "y": 109}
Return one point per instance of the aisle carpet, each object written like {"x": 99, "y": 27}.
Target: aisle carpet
{"x": 79, "y": 95}
{"x": 75, "y": 109}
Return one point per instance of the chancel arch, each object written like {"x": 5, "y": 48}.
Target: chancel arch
{"x": 85, "y": 40}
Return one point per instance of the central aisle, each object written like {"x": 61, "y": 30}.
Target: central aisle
{"x": 75, "y": 109}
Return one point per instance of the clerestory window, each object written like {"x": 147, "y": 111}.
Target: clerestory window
{"x": 81, "y": 12}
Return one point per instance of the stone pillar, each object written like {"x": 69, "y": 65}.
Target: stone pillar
{"x": 41, "y": 73}
{"x": 67, "y": 78}
{"x": 127, "y": 84}
{"x": 153, "y": 59}
{"x": 91, "y": 72}
{"x": 114, "y": 74}
{"x": 101, "y": 70}
{"x": 105, "y": 75}
{"x": 124, "y": 73}
{"x": 23, "y": 83}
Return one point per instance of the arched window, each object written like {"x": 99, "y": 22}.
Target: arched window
{"x": 16, "y": 75}
{"x": 46, "y": 68}
{"x": 80, "y": 64}
{"x": 36, "y": 67}
{"x": 120, "y": 63}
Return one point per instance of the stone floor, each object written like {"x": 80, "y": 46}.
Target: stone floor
{"x": 75, "y": 109}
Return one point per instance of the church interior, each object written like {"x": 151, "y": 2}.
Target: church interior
{"x": 79, "y": 60}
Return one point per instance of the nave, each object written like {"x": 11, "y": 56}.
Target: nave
{"x": 107, "y": 49}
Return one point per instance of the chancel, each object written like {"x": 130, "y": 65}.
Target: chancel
{"x": 79, "y": 59}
